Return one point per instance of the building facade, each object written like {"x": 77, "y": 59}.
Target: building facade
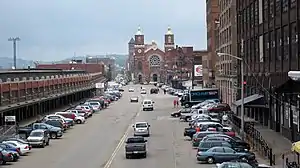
{"x": 268, "y": 42}
{"x": 226, "y": 42}
{"x": 209, "y": 61}
{"x": 130, "y": 60}
{"x": 149, "y": 60}
{"x": 198, "y": 54}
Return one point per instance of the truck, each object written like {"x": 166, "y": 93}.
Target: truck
{"x": 135, "y": 146}
{"x": 193, "y": 97}
{"x": 54, "y": 132}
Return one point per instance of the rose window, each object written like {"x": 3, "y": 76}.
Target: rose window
{"x": 154, "y": 61}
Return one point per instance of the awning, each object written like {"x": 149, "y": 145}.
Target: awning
{"x": 249, "y": 99}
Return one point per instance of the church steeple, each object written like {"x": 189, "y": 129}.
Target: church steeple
{"x": 169, "y": 40}
{"x": 139, "y": 32}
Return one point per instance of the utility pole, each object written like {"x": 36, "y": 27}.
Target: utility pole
{"x": 14, "y": 40}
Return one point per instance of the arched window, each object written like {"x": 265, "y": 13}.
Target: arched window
{"x": 154, "y": 61}
{"x": 140, "y": 65}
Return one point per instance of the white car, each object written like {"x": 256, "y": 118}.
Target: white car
{"x": 141, "y": 129}
{"x": 130, "y": 90}
{"x": 95, "y": 105}
{"x": 143, "y": 91}
{"x": 24, "y": 148}
{"x": 134, "y": 99}
{"x": 148, "y": 105}
{"x": 68, "y": 121}
{"x": 79, "y": 119}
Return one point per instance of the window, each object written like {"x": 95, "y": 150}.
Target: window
{"x": 272, "y": 46}
{"x": 286, "y": 43}
{"x": 140, "y": 66}
{"x": 228, "y": 150}
{"x": 271, "y": 9}
{"x": 293, "y": 3}
{"x": 285, "y": 5}
{"x": 278, "y": 44}
{"x": 266, "y": 12}
{"x": 278, "y": 7}
{"x": 154, "y": 60}
{"x": 218, "y": 150}
{"x": 266, "y": 47}
{"x": 294, "y": 39}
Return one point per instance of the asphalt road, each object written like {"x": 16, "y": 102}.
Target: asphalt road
{"x": 100, "y": 142}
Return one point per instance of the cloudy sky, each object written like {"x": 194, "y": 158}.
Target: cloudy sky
{"x": 55, "y": 29}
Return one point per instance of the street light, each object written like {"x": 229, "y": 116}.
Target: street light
{"x": 242, "y": 89}
{"x": 14, "y": 40}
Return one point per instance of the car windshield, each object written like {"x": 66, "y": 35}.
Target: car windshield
{"x": 236, "y": 165}
{"x": 141, "y": 125}
{"x": 94, "y": 104}
{"x": 36, "y": 134}
{"x": 147, "y": 102}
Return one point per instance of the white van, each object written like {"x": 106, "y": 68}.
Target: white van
{"x": 147, "y": 105}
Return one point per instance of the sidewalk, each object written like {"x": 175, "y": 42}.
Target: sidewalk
{"x": 278, "y": 143}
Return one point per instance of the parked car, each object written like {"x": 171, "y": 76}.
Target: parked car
{"x": 13, "y": 152}
{"x": 67, "y": 121}
{"x": 6, "y": 157}
{"x": 154, "y": 91}
{"x": 234, "y": 143}
{"x": 24, "y": 147}
{"x": 216, "y": 155}
{"x": 135, "y": 146}
{"x": 181, "y": 111}
{"x": 54, "y": 132}
{"x": 77, "y": 118}
{"x": 80, "y": 113}
{"x": 85, "y": 108}
{"x": 56, "y": 123}
{"x": 197, "y": 137}
{"x": 96, "y": 106}
{"x": 39, "y": 138}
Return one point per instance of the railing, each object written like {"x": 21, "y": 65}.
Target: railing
{"x": 254, "y": 138}
{"x": 7, "y": 131}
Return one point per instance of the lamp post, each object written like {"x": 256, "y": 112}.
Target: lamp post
{"x": 14, "y": 40}
{"x": 242, "y": 89}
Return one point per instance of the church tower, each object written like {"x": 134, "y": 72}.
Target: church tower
{"x": 169, "y": 40}
{"x": 139, "y": 49}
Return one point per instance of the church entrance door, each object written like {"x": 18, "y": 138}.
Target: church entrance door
{"x": 154, "y": 77}
{"x": 140, "y": 79}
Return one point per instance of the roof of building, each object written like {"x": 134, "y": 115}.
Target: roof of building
{"x": 131, "y": 41}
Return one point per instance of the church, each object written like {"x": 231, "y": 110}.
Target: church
{"x": 148, "y": 62}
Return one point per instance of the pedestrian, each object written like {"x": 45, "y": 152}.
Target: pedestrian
{"x": 198, "y": 129}
{"x": 177, "y": 103}
{"x": 165, "y": 91}
{"x": 224, "y": 119}
{"x": 174, "y": 103}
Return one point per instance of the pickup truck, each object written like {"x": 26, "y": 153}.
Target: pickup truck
{"x": 54, "y": 132}
{"x": 136, "y": 146}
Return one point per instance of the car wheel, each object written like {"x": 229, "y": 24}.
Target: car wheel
{"x": 3, "y": 162}
{"x": 176, "y": 115}
{"x": 47, "y": 143}
{"x": 186, "y": 105}
{"x": 15, "y": 158}
{"x": 53, "y": 135}
{"x": 210, "y": 160}
{"x": 144, "y": 109}
{"x": 127, "y": 156}
{"x": 145, "y": 155}
{"x": 44, "y": 144}
{"x": 78, "y": 121}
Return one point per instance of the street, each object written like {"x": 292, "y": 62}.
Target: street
{"x": 100, "y": 142}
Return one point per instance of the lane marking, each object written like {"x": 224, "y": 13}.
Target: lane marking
{"x": 121, "y": 142}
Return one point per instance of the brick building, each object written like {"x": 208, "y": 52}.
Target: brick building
{"x": 209, "y": 61}
{"x": 226, "y": 42}
{"x": 130, "y": 59}
{"x": 268, "y": 33}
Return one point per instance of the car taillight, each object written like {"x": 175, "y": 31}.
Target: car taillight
{"x": 9, "y": 154}
{"x": 18, "y": 150}
{"x": 195, "y": 139}
{"x": 26, "y": 147}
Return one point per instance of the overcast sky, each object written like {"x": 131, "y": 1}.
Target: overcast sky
{"x": 55, "y": 29}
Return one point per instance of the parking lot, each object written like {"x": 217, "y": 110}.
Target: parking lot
{"x": 100, "y": 141}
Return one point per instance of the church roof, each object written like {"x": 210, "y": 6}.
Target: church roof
{"x": 131, "y": 41}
